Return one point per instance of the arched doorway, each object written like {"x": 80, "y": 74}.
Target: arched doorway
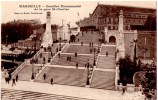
{"x": 72, "y": 38}
{"x": 112, "y": 39}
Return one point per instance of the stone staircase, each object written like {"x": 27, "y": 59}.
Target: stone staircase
{"x": 106, "y": 62}
{"x": 88, "y": 37}
{"x": 85, "y": 49}
{"x": 81, "y": 59}
{"x": 10, "y": 94}
{"x": 103, "y": 80}
{"x": 26, "y": 73}
{"x": 64, "y": 76}
{"x": 111, "y": 49}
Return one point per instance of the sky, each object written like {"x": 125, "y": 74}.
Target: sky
{"x": 9, "y": 8}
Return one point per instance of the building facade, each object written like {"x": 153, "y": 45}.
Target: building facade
{"x": 108, "y": 16}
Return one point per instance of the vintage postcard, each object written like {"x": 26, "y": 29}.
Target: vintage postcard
{"x": 78, "y": 50}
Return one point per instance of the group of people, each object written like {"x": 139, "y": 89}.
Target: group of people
{"x": 8, "y": 78}
{"x": 91, "y": 44}
{"x": 68, "y": 58}
{"x": 44, "y": 78}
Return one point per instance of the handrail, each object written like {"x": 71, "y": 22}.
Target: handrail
{"x": 19, "y": 68}
{"x": 24, "y": 63}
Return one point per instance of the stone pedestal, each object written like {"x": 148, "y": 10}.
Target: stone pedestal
{"x": 47, "y": 37}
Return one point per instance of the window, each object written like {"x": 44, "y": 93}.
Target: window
{"x": 114, "y": 27}
{"x": 108, "y": 27}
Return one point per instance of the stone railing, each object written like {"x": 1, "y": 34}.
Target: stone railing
{"x": 19, "y": 68}
{"x": 35, "y": 56}
{"x": 129, "y": 88}
{"x": 130, "y": 31}
{"x": 147, "y": 32}
{"x": 25, "y": 63}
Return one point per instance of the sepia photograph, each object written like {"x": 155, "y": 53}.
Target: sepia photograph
{"x": 78, "y": 50}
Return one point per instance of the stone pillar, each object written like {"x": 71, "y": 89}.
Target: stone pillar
{"x": 106, "y": 34}
{"x": 47, "y": 37}
{"x": 121, "y": 21}
{"x": 78, "y": 28}
{"x": 120, "y": 45}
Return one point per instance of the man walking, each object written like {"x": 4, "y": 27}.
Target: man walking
{"x": 44, "y": 76}
{"x": 123, "y": 90}
{"x": 13, "y": 81}
{"x": 75, "y": 54}
{"x": 51, "y": 81}
{"x": 17, "y": 78}
{"x": 76, "y": 65}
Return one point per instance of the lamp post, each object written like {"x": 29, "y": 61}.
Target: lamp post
{"x": 135, "y": 41}
{"x": 87, "y": 73}
{"x": 94, "y": 57}
{"x": 35, "y": 40}
{"x": 60, "y": 36}
{"x": 6, "y": 39}
{"x": 32, "y": 63}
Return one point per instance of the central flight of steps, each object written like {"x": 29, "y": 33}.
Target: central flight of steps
{"x": 81, "y": 59}
{"x": 88, "y": 37}
{"x": 103, "y": 80}
{"x": 104, "y": 73}
{"x": 10, "y": 94}
{"x": 64, "y": 76}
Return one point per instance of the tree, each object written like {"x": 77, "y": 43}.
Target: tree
{"x": 127, "y": 69}
{"x": 149, "y": 82}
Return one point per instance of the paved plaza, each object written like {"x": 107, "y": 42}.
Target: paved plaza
{"x": 76, "y": 93}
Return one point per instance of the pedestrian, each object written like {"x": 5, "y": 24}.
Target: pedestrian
{"x": 57, "y": 49}
{"x": 123, "y": 90}
{"x": 10, "y": 76}
{"x": 51, "y": 81}
{"x": 40, "y": 55}
{"x": 76, "y": 65}
{"x": 44, "y": 76}
{"x": 59, "y": 55}
{"x": 44, "y": 59}
{"x": 92, "y": 44}
{"x": 67, "y": 58}
{"x": 78, "y": 39}
{"x": 7, "y": 78}
{"x": 85, "y": 65}
{"x": 51, "y": 54}
{"x": 106, "y": 53}
{"x": 75, "y": 54}
{"x": 81, "y": 43}
{"x": 90, "y": 50}
{"x": 17, "y": 78}
{"x": 13, "y": 82}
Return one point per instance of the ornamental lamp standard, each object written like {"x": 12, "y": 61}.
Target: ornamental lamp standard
{"x": 88, "y": 73}
{"x": 135, "y": 41}
{"x": 32, "y": 63}
{"x": 94, "y": 57}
